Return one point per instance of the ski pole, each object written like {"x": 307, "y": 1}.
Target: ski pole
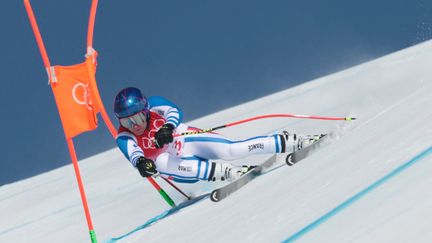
{"x": 266, "y": 116}
{"x": 175, "y": 187}
{"x": 161, "y": 192}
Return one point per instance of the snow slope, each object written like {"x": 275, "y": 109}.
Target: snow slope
{"x": 371, "y": 184}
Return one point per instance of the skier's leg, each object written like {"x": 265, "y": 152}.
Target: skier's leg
{"x": 183, "y": 168}
{"x": 191, "y": 169}
{"x": 216, "y": 146}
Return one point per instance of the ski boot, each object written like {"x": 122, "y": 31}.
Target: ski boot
{"x": 302, "y": 145}
{"x": 296, "y": 142}
{"x": 307, "y": 140}
{"x": 229, "y": 172}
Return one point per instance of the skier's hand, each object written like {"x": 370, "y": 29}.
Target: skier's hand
{"x": 146, "y": 167}
{"x": 164, "y": 135}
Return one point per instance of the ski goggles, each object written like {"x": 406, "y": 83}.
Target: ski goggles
{"x": 138, "y": 119}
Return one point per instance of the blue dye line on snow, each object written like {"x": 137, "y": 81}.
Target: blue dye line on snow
{"x": 357, "y": 196}
{"x": 160, "y": 216}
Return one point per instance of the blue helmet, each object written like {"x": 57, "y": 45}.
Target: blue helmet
{"x": 128, "y": 102}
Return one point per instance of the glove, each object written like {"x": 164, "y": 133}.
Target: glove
{"x": 146, "y": 167}
{"x": 164, "y": 135}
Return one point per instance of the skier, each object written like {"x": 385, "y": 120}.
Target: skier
{"x": 145, "y": 137}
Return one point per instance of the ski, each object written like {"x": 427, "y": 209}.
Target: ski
{"x": 223, "y": 192}
{"x": 295, "y": 157}
{"x": 291, "y": 159}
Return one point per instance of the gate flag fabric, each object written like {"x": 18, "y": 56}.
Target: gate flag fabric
{"x": 73, "y": 89}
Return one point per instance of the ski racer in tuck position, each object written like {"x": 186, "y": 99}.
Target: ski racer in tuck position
{"x": 145, "y": 137}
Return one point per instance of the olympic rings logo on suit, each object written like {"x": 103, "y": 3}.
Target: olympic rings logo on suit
{"x": 147, "y": 141}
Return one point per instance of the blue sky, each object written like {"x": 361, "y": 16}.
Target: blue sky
{"x": 203, "y": 55}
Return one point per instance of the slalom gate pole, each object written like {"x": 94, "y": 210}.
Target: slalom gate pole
{"x": 69, "y": 140}
{"x": 266, "y": 116}
{"x": 47, "y": 65}
{"x": 175, "y": 187}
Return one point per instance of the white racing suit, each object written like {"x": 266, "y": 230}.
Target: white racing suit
{"x": 191, "y": 158}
